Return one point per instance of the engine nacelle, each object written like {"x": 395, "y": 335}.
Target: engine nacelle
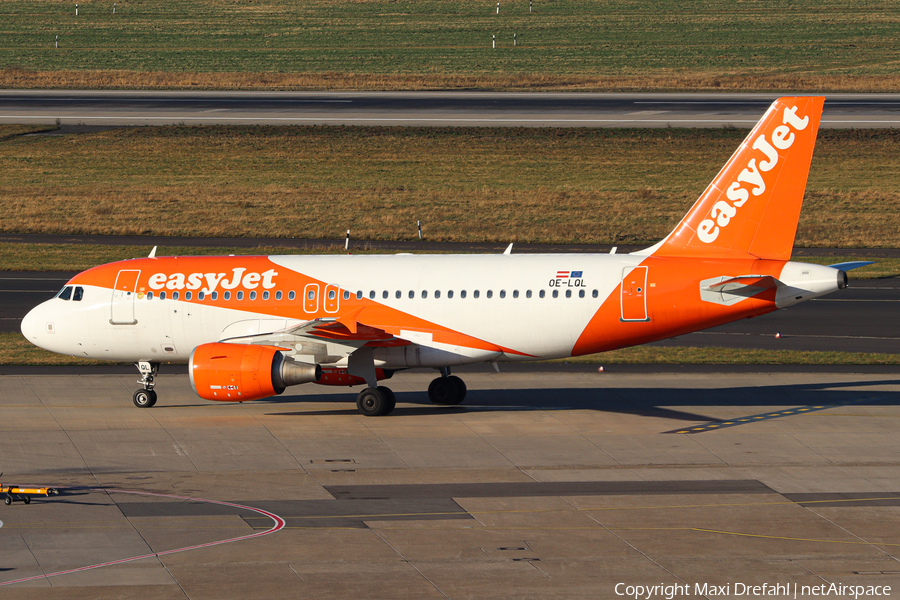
{"x": 239, "y": 372}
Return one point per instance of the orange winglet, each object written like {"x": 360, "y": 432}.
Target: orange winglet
{"x": 350, "y": 320}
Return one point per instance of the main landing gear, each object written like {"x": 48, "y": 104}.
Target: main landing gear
{"x": 146, "y": 397}
{"x": 446, "y": 390}
{"x": 376, "y": 402}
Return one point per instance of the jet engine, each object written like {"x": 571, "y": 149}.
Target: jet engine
{"x": 239, "y": 372}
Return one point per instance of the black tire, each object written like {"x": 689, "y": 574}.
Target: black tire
{"x": 372, "y": 403}
{"x": 391, "y": 398}
{"x": 443, "y": 391}
{"x": 7, "y": 501}
{"x": 26, "y": 500}
{"x": 460, "y": 386}
{"x": 144, "y": 398}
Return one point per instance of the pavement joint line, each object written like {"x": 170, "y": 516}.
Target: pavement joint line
{"x": 724, "y": 424}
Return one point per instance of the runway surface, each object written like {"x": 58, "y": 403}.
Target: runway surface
{"x": 862, "y": 318}
{"x": 549, "y": 485}
{"x": 487, "y": 109}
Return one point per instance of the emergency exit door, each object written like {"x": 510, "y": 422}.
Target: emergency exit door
{"x": 634, "y": 294}
{"x": 123, "y": 298}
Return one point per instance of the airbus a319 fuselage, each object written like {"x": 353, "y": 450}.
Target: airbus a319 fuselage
{"x": 249, "y": 326}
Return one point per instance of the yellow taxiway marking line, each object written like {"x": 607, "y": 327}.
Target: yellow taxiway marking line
{"x": 793, "y": 539}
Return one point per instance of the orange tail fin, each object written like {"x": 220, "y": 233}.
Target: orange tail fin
{"x": 752, "y": 207}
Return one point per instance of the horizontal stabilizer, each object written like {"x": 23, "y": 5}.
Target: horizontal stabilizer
{"x": 760, "y": 282}
{"x": 728, "y": 290}
{"x": 853, "y": 264}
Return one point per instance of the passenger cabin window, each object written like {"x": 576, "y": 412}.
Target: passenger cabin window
{"x": 556, "y": 293}
{"x": 515, "y": 293}
{"x": 65, "y": 293}
{"x": 568, "y": 293}
{"x": 79, "y": 294}
{"x": 372, "y": 294}
{"x": 346, "y": 295}
{"x": 265, "y": 295}
{"x": 240, "y": 295}
{"x": 252, "y": 295}
{"x": 412, "y": 294}
{"x": 226, "y": 296}
{"x": 462, "y": 294}
{"x": 398, "y": 294}
{"x": 174, "y": 295}
{"x": 162, "y": 295}
{"x": 528, "y": 293}
{"x": 384, "y": 294}
{"x": 359, "y": 295}
{"x": 331, "y": 294}
{"x": 450, "y": 293}
{"x": 278, "y": 295}
{"x": 503, "y": 293}
{"x": 200, "y": 295}
{"x": 188, "y": 295}
{"x": 543, "y": 293}
{"x": 476, "y": 293}
{"x": 424, "y": 294}
{"x": 437, "y": 293}
{"x": 213, "y": 296}
{"x": 490, "y": 293}
{"x": 149, "y": 295}
{"x": 291, "y": 295}
{"x": 581, "y": 293}
{"x": 594, "y": 294}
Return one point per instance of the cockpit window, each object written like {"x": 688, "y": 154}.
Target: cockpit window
{"x": 78, "y": 295}
{"x": 65, "y": 293}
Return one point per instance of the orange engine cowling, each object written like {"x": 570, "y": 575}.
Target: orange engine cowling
{"x": 239, "y": 372}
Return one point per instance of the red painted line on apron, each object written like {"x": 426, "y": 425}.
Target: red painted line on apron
{"x": 279, "y": 524}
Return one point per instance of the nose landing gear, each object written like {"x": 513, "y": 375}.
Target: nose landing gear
{"x": 146, "y": 397}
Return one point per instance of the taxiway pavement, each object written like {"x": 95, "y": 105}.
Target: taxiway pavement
{"x": 544, "y": 485}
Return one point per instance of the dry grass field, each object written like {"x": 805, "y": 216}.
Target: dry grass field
{"x": 521, "y": 185}
{"x": 447, "y": 44}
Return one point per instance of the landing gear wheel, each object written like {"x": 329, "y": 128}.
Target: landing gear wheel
{"x": 388, "y": 394}
{"x": 7, "y": 501}
{"x": 444, "y": 391}
{"x": 144, "y": 398}
{"x": 460, "y": 386}
{"x": 372, "y": 403}
{"x": 26, "y": 500}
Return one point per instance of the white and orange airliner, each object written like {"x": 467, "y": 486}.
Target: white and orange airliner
{"x": 249, "y": 326}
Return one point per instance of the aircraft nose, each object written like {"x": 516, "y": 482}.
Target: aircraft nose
{"x": 31, "y": 324}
